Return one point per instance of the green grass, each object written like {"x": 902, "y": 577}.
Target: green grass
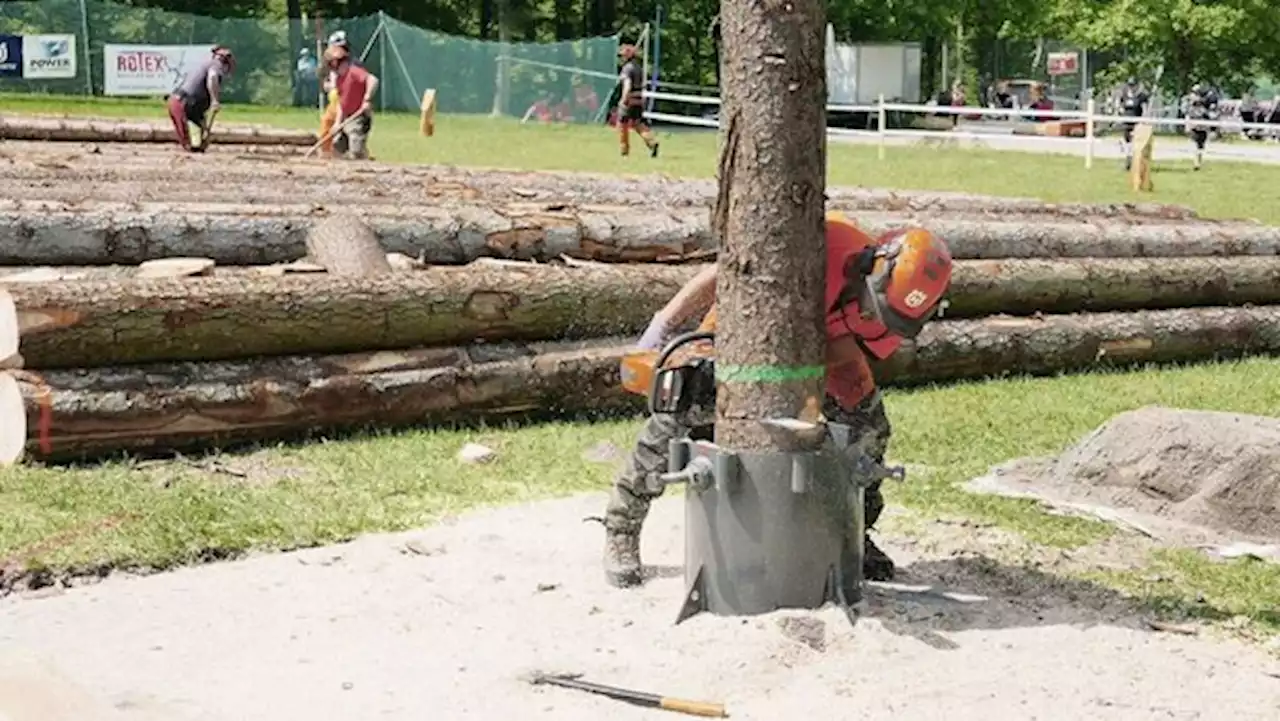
{"x": 1222, "y": 189}
{"x": 51, "y": 518}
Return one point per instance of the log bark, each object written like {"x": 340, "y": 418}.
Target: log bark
{"x": 9, "y": 333}
{"x": 13, "y": 421}
{"x": 447, "y": 234}
{"x": 107, "y": 173}
{"x": 197, "y": 405}
{"x": 1022, "y": 286}
{"x": 769, "y": 217}
{"x": 460, "y": 233}
{"x": 107, "y": 131}
{"x": 100, "y": 323}
{"x": 1045, "y": 345}
{"x": 240, "y": 313}
{"x": 171, "y": 407}
{"x": 347, "y": 247}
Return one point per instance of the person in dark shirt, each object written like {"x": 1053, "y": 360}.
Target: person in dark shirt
{"x": 1200, "y": 104}
{"x": 199, "y": 95}
{"x": 1133, "y": 104}
{"x": 631, "y": 103}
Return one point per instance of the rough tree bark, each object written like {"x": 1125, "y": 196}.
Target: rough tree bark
{"x": 198, "y": 405}
{"x": 193, "y": 405}
{"x": 346, "y": 246}
{"x": 451, "y": 233}
{"x": 769, "y": 213}
{"x": 238, "y": 313}
{"x": 102, "y": 323}
{"x": 108, "y": 131}
{"x": 1021, "y": 286}
{"x": 995, "y": 346}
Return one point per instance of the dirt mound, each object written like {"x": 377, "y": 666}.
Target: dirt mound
{"x": 1216, "y": 471}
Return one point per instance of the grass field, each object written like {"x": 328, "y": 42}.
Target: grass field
{"x": 127, "y": 514}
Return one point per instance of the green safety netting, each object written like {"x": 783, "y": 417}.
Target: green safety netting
{"x": 569, "y": 80}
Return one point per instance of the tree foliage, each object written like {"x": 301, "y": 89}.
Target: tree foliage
{"x": 1172, "y": 43}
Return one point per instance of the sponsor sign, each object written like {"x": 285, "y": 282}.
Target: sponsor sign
{"x": 48, "y": 56}
{"x": 1064, "y": 63}
{"x": 149, "y": 69}
{"x": 10, "y": 55}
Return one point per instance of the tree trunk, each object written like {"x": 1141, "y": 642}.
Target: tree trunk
{"x": 769, "y": 216}
{"x": 244, "y": 315}
{"x": 988, "y": 287}
{"x": 95, "y": 233}
{"x": 167, "y": 407}
{"x": 994, "y": 346}
{"x": 108, "y": 176}
{"x": 346, "y": 246}
{"x": 89, "y": 131}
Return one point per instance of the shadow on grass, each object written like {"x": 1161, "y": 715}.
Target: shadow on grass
{"x": 976, "y": 592}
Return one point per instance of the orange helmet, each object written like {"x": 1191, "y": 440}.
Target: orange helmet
{"x": 910, "y": 273}
{"x": 627, "y": 52}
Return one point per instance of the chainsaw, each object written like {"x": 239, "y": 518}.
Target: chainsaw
{"x": 689, "y": 380}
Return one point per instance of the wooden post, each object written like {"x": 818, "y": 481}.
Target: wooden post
{"x": 427, "y": 123}
{"x": 769, "y": 216}
{"x": 1143, "y": 146}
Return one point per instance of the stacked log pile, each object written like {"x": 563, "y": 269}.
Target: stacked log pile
{"x": 159, "y": 308}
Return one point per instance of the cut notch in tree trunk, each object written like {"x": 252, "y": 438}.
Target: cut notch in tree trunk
{"x": 345, "y": 245}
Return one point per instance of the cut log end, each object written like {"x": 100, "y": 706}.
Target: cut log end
{"x": 13, "y": 421}
{"x": 8, "y": 326}
{"x": 175, "y": 267}
{"x": 346, "y": 245}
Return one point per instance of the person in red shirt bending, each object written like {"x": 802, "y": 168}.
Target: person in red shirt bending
{"x": 356, "y": 87}
{"x": 878, "y": 292}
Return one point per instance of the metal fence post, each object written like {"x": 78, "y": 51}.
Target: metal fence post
{"x": 88, "y": 63}
{"x": 881, "y": 122}
{"x": 1089, "y": 108}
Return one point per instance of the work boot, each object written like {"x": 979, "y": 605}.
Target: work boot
{"x": 622, "y": 567}
{"x": 876, "y": 564}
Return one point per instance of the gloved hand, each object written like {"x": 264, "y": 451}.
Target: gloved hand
{"x": 655, "y": 336}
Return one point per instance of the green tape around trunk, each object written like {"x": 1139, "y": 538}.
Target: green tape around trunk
{"x": 767, "y": 374}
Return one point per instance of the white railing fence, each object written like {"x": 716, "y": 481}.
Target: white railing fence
{"x": 1089, "y": 116}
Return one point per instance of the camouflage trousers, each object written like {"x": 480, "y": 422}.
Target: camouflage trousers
{"x": 629, "y": 499}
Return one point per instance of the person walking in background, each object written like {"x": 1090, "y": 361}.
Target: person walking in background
{"x": 631, "y": 103}
{"x": 306, "y": 83}
{"x": 198, "y": 98}
{"x": 1133, "y": 104}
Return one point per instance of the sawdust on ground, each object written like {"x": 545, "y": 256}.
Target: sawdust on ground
{"x": 1185, "y": 477}
{"x": 444, "y": 624}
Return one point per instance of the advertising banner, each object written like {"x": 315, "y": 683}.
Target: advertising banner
{"x": 48, "y": 56}
{"x": 10, "y": 55}
{"x": 1064, "y": 63}
{"x": 148, "y": 69}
